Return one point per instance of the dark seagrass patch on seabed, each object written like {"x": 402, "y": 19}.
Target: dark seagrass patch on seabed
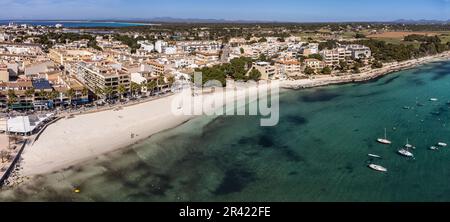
{"x": 319, "y": 95}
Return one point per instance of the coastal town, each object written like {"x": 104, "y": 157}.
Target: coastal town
{"x": 49, "y": 73}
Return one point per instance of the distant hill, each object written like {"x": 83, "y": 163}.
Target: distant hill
{"x": 197, "y": 20}
{"x": 421, "y": 21}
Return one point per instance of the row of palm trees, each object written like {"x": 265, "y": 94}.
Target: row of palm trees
{"x": 135, "y": 89}
{"x": 154, "y": 85}
{"x": 44, "y": 95}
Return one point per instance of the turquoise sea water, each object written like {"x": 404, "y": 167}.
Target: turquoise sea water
{"x": 318, "y": 152}
{"x": 75, "y": 24}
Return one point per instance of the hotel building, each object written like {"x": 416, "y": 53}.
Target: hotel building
{"x": 99, "y": 78}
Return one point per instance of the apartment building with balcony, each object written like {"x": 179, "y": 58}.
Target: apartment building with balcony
{"x": 332, "y": 57}
{"x": 314, "y": 63}
{"x": 289, "y": 67}
{"x": 97, "y": 78}
{"x": 267, "y": 70}
{"x": 205, "y": 58}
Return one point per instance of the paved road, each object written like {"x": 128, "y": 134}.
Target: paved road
{"x": 225, "y": 53}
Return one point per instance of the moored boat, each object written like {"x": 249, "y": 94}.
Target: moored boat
{"x": 406, "y": 153}
{"x": 377, "y": 168}
{"x": 385, "y": 140}
{"x": 409, "y": 146}
{"x": 375, "y": 156}
{"x": 441, "y": 144}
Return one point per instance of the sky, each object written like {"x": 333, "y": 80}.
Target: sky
{"x": 264, "y": 10}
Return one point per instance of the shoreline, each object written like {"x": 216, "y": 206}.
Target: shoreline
{"x": 66, "y": 143}
{"x": 364, "y": 76}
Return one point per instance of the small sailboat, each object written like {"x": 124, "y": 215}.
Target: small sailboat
{"x": 385, "y": 140}
{"x": 375, "y": 156}
{"x": 377, "y": 168}
{"x": 441, "y": 144}
{"x": 409, "y": 146}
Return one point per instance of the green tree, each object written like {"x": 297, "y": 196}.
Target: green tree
{"x": 98, "y": 91}
{"x": 343, "y": 65}
{"x": 255, "y": 75}
{"x": 309, "y": 71}
{"x": 108, "y": 91}
{"x": 326, "y": 70}
{"x": 85, "y": 91}
{"x": 214, "y": 73}
{"x": 242, "y": 50}
{"x": 360, "y": 36}
{"x": 121, "y": 89}
{"x": 29, "y": 93}
{"x": 262, "y": 57}
{"x": 70, "y": 95}
{"x": 330, "y": 44}
{"x": 53, "y": 95}
{"x": 151, "y": 86}
{"x": 170, "y": 80}
{"x": 377, "y": 65}
{"x": 161, "y": 82}
{"x": 135, "y": 88}
{"x": 43, "y": 95}
{"x": 12, "y": 97}
{"x": 316, "y": 56}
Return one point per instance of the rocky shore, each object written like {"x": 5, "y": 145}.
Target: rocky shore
{"x": 364, "y": 76}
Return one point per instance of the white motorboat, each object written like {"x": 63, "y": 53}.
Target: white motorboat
{"x": 433, "y": 99}
{"x": 377, "y": 168}
{"x": 385, "y": 140}
{"x": 406, "y": 153}
{"x": 375, "y": 156}
{"x": 442, "y": 144}
{"x": 434, "y": 148}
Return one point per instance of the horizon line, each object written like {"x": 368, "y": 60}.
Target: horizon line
{"x": 220, "y": 20}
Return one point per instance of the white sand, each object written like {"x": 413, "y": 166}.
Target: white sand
{"x": 73, "y": 141}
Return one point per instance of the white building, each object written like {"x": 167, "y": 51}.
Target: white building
{"x": 359, "y": 51}
{"x": 334, "y": 56}
{"x": 314, "y": 63}
{"x": 170, "y": 50}
{"x": 147, "y": 46}
{"x": 4, "y": 37}
{"x": 159, "y": 46}
{"x": 266, "y": 69}
{"x": 183, "y": 63}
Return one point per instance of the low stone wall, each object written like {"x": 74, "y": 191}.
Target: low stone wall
{"x": 11, "y": 167}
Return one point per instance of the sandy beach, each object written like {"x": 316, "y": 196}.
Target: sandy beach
{"x": 75, "y": 140}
